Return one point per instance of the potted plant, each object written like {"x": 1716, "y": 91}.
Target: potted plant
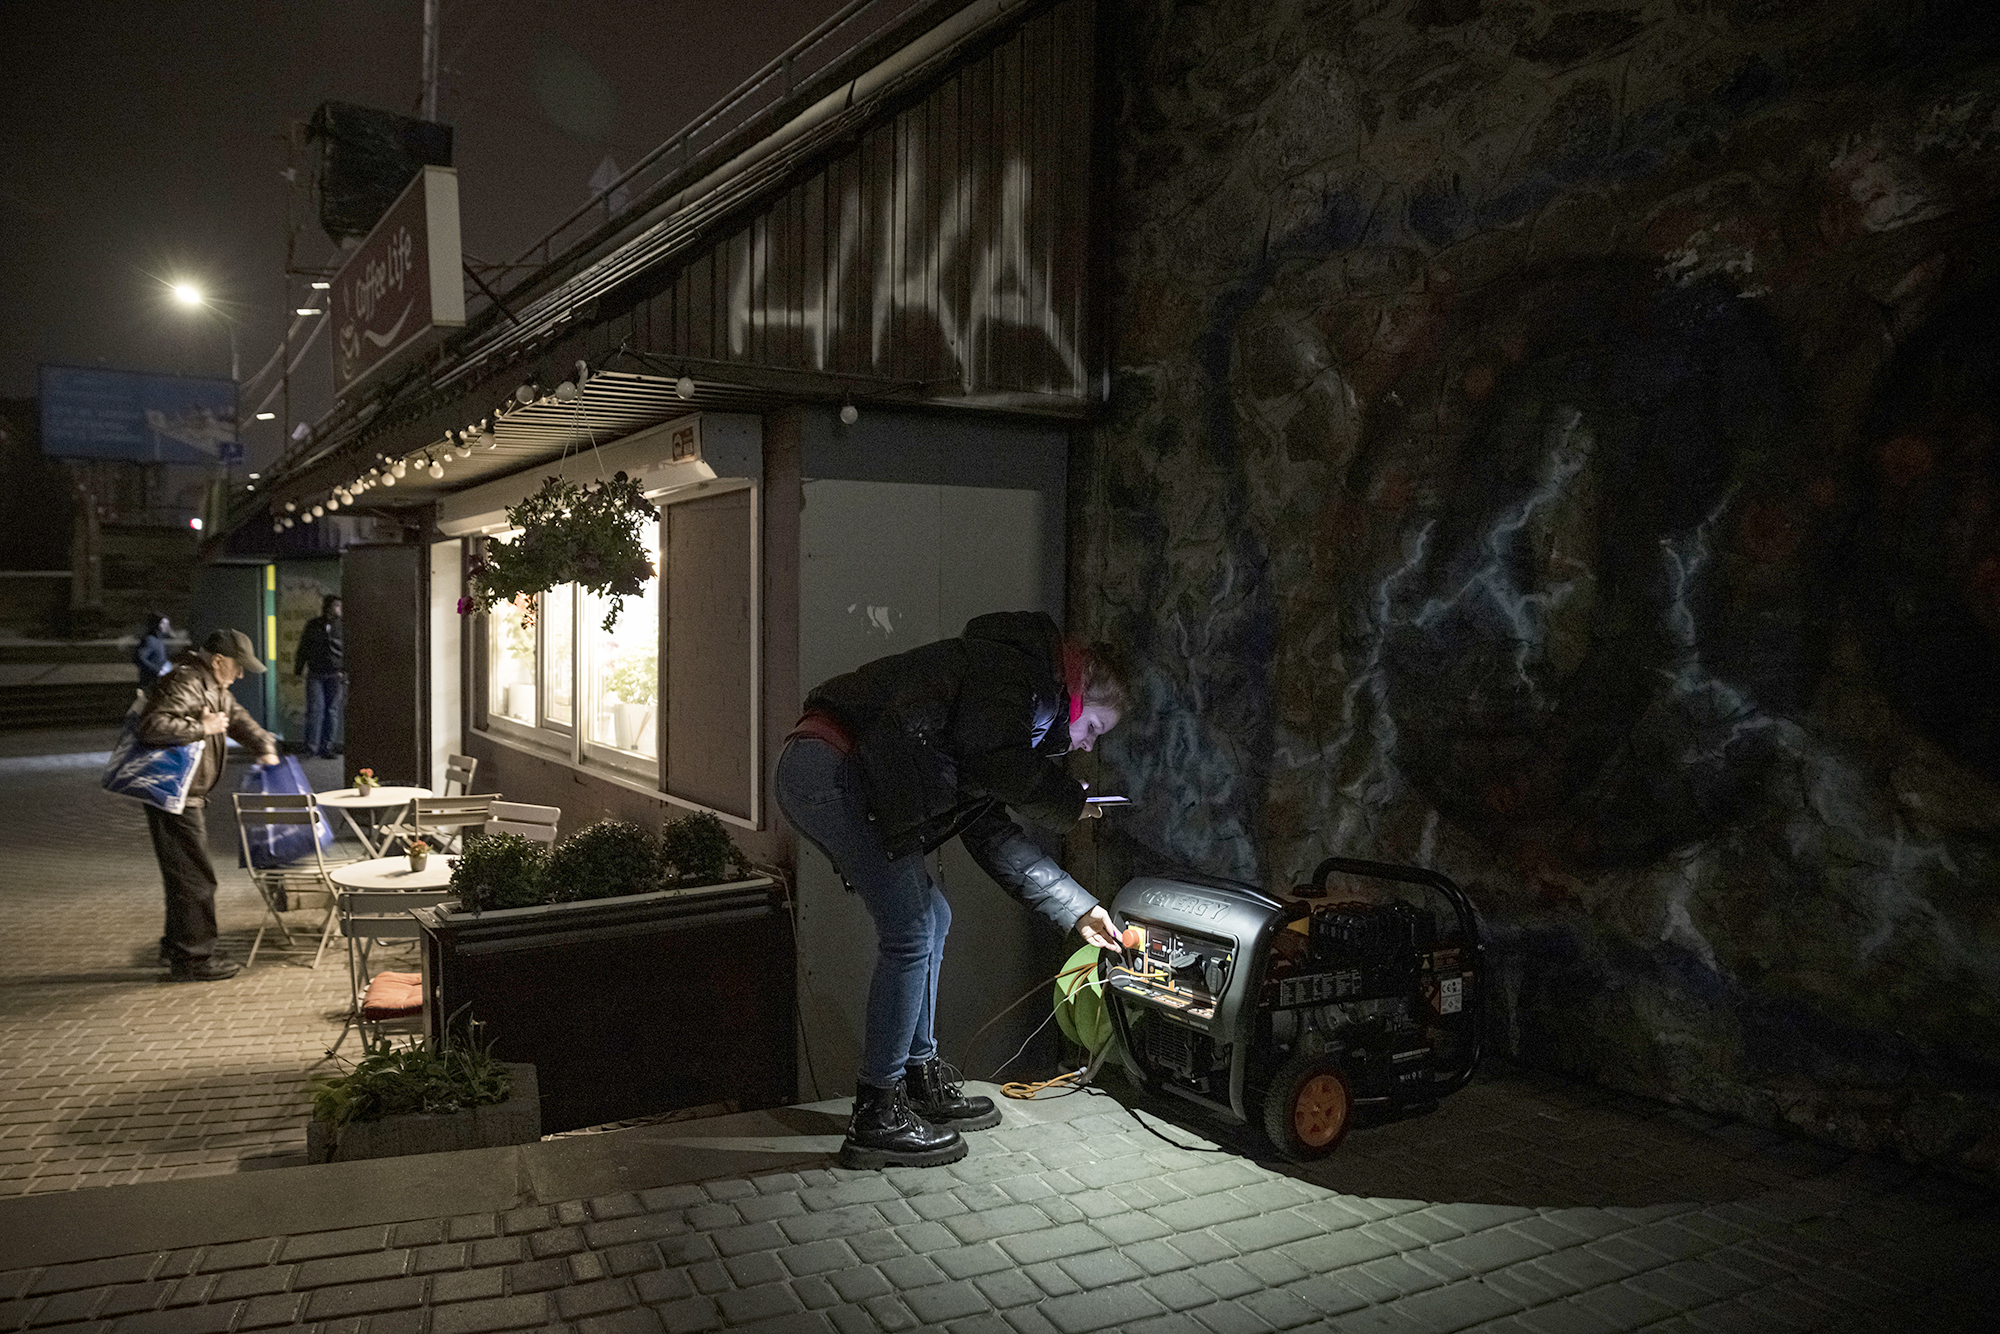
{"x": 420, "y": 853}
{"x": 633, "y": 985}
{"x": 364, "y": 782}
{"x": 632, "y": 684}
{"x": 569, "y": 534}
{"x": 422, "y": 1098}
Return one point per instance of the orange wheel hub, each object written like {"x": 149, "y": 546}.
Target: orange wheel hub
{"x": 1319, "y": 1111}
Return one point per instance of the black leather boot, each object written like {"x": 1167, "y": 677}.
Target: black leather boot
{"x": 937, "y": 1093}
{"x": 885, "y": 1132}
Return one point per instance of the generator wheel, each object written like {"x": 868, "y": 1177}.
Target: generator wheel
{"x": 1307, "y": 1107}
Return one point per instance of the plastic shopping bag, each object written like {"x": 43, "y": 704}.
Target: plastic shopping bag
{"x": 157, "y": 775}
{"x": 273, "y": 845}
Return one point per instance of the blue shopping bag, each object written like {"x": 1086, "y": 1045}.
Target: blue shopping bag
{"x": 157, "y": 775}
{"x": 273, "y": 845}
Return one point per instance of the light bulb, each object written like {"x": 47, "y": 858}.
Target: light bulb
{"x": 388, "y": 480}
{"x": 685, "y": 386}
{"x": 291, "y": 506}
{"x": 465, "y": 450}
{"x": 306, "y": 517}
{"x": 566, "y": 391}
{"x": 401, "y": 469}
{"x": 333, "y": 502}
{"x": 277, "y": 526}
{"x": 524, "y": 394}
{"x": 318, "y": 510}
{"x": 435, "y": 470}
{"x": 488, "y": 439}
{"x": 849, "y": 414}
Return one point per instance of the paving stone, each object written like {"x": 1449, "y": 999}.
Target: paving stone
{"x": 1099, "y": 1269}
{"x": 709, "y": 1277}
{"x": 633, "y": 1320}
{"x": 433, "y": 1259}
{"x": 1050, "y": 1278}
{"x": 972, "y": 1261}
{"x": 858, "y": 1285}
{"x": 351, "y": 1269}
{"x": 283, "y": 1308}
{"x": 1271, "y": 1268}
{"x": 1203, "y": 1211}
{"x": 238, "y": 1255}
{"x": 851, "y": 1320}
{"x": 1230, "y": 1317}
{"x": 251, "y": 1282}
{"x": 663, "y": 1285}
{"x": 844, "y": 1222}
{"x": 631, "y": 1259}
{"x": 1131, "y": 1227}
{"x": 499, "y": 1251}
{"x": 468, "y": 1285}
{"x": 688, "y": 1316}
{"x": 814, "y": 1292}
{"x": 130, "y": 1297}
{"x": 537, "y": 1276}
{"x": 586, "y": 1267}
{"x": 67, "y": 1307}
{"x": 1008, "y": 1288}
{"x": 1566, "y": 1317}
{"x": 758, "y": 1303}
{"x": 890, "y": 1313}
{"x": 942, "y": 1302}
{"x": 911, "y": 1271}
{"x": 364, "y": 1298}
{"x": 1103, "y": 1308}
{"x": 94, "y": 1274}
{"x": 921, "y": 1237}
{"x": 1200, "y": 1247}
{"x": 182, "y": 1320}
{"x": 693, "y": 1248}
{"x": 1053, "y": 1242}
{"x": 748, "y": 1271}
{"x": 194, "y": 1290}
{"x": 1327, "y": 1295}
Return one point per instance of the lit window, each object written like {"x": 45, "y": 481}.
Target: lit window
{"x": 511, "y": 662}
{"x": 558, "y": 630}
{"x": 621, "y": 669}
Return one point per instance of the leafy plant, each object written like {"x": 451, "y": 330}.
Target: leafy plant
{"x": 634, "y": 677}
{"x": 588, "y": 535}
{"x": 602, "y": 861}
{"x": 416, "y": 847}
{"x": 397, "y": 1081}
{"x": 499, "y": 871}
{"x": 696, "y": 850}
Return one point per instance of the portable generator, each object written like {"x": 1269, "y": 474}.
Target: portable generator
{"x": 1288, "y": 1013}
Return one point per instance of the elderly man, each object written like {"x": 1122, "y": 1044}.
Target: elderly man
{"x": 192, "y": 703}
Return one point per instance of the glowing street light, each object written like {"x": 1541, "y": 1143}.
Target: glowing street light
{"x": 187, "y": 294}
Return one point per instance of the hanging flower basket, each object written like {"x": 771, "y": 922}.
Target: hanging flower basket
{"x": 570, "y": 534}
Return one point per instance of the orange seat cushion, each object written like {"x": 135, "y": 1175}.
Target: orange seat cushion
{"x": 393, "y": 996}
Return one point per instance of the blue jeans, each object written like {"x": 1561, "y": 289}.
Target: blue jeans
{"x": 326, "y": 709}
{"x": 820, "y": 793}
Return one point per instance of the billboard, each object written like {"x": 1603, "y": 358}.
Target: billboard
{"x": 403, "y": 281}
{"x": 89, "y": 413}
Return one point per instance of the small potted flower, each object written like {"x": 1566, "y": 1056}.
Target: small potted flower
{"x": 364, "y": 783}
{"x": 420, "y": 852}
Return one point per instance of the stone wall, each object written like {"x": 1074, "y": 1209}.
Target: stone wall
{"x": 1555, "y": 443}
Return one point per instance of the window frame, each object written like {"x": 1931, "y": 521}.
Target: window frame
{"x": 570, "y": 745}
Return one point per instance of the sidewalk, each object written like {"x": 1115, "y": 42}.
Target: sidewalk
{"x": 112, "y": 1074}
{"x": 1524, "y": 1205}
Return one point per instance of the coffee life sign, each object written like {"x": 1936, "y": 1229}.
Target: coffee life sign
{"x": 402, "y": 282}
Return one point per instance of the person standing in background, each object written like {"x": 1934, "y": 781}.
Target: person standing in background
{"x": 153, "y": 658}
{"x": 322, "y": 660}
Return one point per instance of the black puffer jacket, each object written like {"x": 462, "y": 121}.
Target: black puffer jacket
{"x": 948, "y": 735}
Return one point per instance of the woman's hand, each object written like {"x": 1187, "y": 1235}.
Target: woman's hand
{"x": 1097, "y": 928}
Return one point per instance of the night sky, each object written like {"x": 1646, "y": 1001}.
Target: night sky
{"x": 145, "y": 143}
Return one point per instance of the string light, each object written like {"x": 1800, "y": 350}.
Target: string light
{"x": 400, "y": 469}
{"x": 685, "y": 386}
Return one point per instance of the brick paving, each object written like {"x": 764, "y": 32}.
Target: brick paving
{"x": 113, "y": 1075}
{"x": 1524, "y": 1205}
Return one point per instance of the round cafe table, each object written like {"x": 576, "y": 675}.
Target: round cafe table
{"x": 378, "y": 874}
{"x": 393, "y": 873}
{"x": 376, "y": 800}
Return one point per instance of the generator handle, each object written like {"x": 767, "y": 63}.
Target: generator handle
{"x": 1468, "y": 917}
{"x": 1461, "y": 904}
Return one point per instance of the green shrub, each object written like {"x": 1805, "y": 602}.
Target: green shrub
{"x": 397, "y": 1081}
{"x": 603, "y": 861}
{"x": 695, "y": 850}
{"x": 500, "y": 871}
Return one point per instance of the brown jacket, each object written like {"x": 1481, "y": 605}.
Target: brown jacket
{"x": 172, "y": 717}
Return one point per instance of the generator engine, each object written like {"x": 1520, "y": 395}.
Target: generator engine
{"x": 1289, "y": 1012}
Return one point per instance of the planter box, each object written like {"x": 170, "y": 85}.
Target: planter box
{"x": 626, "y": 1007}
{"x": 515, "y": 1121}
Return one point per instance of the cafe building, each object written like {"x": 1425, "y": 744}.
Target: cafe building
{"x": 841, "y": 335}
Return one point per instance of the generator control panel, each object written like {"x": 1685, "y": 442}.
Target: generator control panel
{"x": 1174, "y": 969}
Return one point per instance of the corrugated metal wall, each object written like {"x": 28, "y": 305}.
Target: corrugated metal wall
{"x": 948, "y": 249}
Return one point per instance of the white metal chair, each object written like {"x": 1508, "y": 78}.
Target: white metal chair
{"x": 441, "y": 821}
{"x": 366, "y": 916}
{"x": 306, "y": 875}
{"x": 514, "y": 817}
{"x": 458, "y": 770}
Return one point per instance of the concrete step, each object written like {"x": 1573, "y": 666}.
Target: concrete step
{"x": 75, "y": 704}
